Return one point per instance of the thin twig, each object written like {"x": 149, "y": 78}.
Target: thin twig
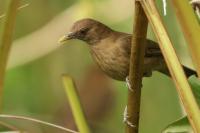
{"x": 37, "y": 121}
{"x": 174, "y": 66}
{"x": 140, "y": 24}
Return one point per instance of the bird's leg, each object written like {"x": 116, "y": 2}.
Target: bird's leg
{"x": 128, "y": 84}
{"x": 125, "y": 120}
{"x": 196, "y": 6}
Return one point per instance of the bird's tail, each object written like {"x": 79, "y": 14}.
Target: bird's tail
{"x": 154, "y": 50}
{"x": 188, "y": 72}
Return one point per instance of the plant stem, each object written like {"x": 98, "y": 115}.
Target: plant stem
{"x": 191, "y": 29}
{"x": 140, "y": 24}
{"x": 75, "y": 104}
{"x": 6, "y": 41}
{"x": 174, "y": 66}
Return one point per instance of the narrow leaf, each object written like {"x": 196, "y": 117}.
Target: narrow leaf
{"x": 195, "y": 84}
{"x": 180, "y": 126}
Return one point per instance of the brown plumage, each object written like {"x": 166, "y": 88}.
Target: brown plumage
{"x": 111, "y": 49}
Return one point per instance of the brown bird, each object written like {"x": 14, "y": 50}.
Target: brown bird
{"x": 111, "y": 49}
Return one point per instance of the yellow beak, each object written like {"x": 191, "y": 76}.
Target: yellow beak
{"x": 65, "y": 38}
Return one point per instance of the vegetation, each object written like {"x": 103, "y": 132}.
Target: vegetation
{"x": 33, "y": 98}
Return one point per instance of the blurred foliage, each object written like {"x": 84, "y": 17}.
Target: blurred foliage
{"x": 183, "y": 125}
{"x": 35, "y": 16}
{"x": 35, "y": 89}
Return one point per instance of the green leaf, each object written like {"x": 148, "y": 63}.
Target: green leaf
{"x": 195, "y": 84}
{"x": 180, "y": 126}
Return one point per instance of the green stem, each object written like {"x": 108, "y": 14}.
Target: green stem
{"x": 190, "y": 27}
{"x": 75, "y": 104}
{"x": 175, "y": 68}
{"x": 6, "y": 41}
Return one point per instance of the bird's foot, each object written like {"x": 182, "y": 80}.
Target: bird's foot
{"x": 128, "y": 84}
{"x": 196, "y": 6}
{"x": 125, "y": 119}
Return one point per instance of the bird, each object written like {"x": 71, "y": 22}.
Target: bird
{"x": 111, "y": 49}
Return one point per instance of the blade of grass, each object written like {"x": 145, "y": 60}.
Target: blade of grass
{"x": 37, "y": 121}
{"x": 75, "y": 104}
{"x": 140, "y": 24}
{"x": 175, "y": 68}
{"x": 190, "y": 28}
{"x": 6, "y": 41}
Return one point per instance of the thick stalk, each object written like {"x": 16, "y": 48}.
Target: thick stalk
{"x": 136, "y": 68}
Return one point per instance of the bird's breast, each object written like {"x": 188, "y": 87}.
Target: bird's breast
{"x": 111, "y": 60}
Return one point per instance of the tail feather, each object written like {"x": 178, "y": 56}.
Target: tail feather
{"x": 188, "y": 72}
{"x": 153, "y": 50}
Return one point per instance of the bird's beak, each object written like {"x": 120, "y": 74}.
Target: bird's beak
{"x": 66, "y": 37}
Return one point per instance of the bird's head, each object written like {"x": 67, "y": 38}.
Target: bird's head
{"x": 87, "y": 30}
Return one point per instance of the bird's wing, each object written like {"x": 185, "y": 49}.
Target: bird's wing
{"x": 125, "y": 41}
{"x": 152, "y": 48}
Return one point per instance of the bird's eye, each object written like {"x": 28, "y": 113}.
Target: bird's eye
{"x": 84, "y": 31}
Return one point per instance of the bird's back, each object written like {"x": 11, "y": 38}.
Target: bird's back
{"x": 112, "y": 55}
